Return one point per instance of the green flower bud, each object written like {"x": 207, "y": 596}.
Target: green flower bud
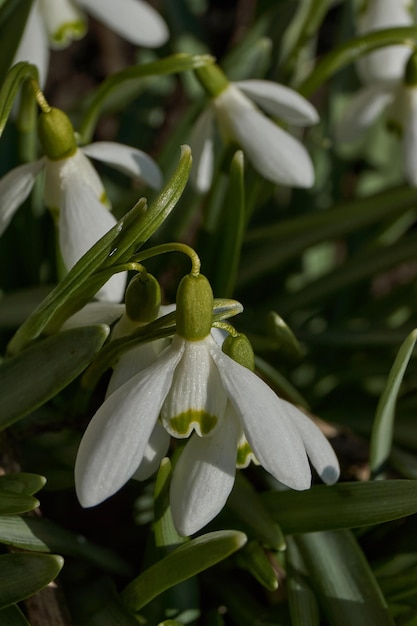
{"x": 56, "y": 134}
{"x": 194, "y": 307}
{"x": 240, "y": 350}
{"x": 212, "y": 79}
{"x": 410, "y": 76}
{"x": 143, "y": 298}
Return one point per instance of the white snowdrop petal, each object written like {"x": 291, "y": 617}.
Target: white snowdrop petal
{"x": 63, "y": 22}
{"x": 196, "y": 399}
{"x": 274, "y": 439}
{"x": 83, "y": 220}
{"x": 95, "y": 313}
{"x": 410, "y": 137}
{"x": 274, "y": 153}
{"x": 128, "y": 160}
{"x": 386, "y": 64}
{"x": 33, "y": 47}
{"x": 201, "y": 144}
{"x": 114, "y": 443}
{"x": 280, "y": 101}
{"x": 362, "y": 111}
{"x": 15, "y": 186}
{"x": 155, "y": 451}
{"x": 134, "y": 361}
{"x": 134, "y": 20}
{"x": 203, "y": 477}
{"x": 319, "y": 450}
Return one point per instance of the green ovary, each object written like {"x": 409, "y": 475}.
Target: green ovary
{"x": 183, "y": 424}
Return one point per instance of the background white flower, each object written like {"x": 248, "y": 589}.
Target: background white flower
{"x": 273, "y": 152}
{"x": 55, "y": 23}
{"x": 74, "y": 191}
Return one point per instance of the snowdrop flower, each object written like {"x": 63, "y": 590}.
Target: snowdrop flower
{"x": 195, "y": 390}
{"x": 73, "y": 190}
{"x": 390, "y": 83}
{"x": 56, "y": 23}
{"x": 238, "y": 110}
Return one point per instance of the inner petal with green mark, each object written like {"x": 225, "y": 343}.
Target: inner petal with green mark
{"x": 64, "y": 22}
{"x": 196, "y": 400}
{"x": 200, "y": 421}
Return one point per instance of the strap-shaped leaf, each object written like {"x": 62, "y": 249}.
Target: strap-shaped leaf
{"x": 23, "y": 574}
{"x": 188, "y": 560}
{"x": 32, "y": 377}
{"x": 345, "y": 505}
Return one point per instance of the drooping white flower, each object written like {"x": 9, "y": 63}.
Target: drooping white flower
{"x": 238, "y": 108}
{"x": 74, "y": 192}
{"x": 55, "y": 23}
{"x": 193, "y": 388}
{"x": 389, "y": 87}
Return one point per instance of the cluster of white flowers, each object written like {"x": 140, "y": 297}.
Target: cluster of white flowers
{"x": 389, "y": 82}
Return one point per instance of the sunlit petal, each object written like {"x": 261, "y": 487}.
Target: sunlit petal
{"x": 33, "y": 47}
{"x": 95, "y": 313}
{"x": 114, "y": 443}
{"x": 133, "y": 20}
{"x": 274, "y": 153}
{"x": 83, "y": 220}
{"x": 274, "y": 439}
{"x": 203, "y": 477}
{"x": 15, "y": 187}
{"x": 127, "y": 160}
{"x": 155, "y": 451}
{"x": 201, "y": 143}
{"x": 319, "y": 450}
{"x": 280, "y": 101}
{"x": 134, "y": 361}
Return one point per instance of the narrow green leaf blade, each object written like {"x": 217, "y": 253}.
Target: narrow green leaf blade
{"x": 13, "y": 616}
{"x": 24, "y": 574}
{"x": 350, "y": 51}
{"x": 302, "y": 600}
{"x": 11, "y": 504}
{"x": 343, "y": 579}
{"x": 13, "y": 17}
{"x": 32, "y": 377}
{"x": 383, "y": 427}
{"x": 42, "y": 535}
{"x": 24, "y": 483}
{"x": 188, "y": 560}
{"x": 345, "y": 505}
{"x": 11, "y": 85}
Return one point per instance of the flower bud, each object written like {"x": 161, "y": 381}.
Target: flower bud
{"x": 194, "y": 307}
{"x": 240, "y": 350}
{"x": 143, "y": 298}
{"x": 56, "y": 134}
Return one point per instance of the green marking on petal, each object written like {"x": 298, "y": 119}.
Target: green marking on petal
{"x": 183, "y": 424}
{"x": 67, "y": 32}
{"x": 244, "y": 455}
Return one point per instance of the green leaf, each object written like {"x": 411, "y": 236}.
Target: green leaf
{"x": 188, "y": 560}
{"x": 12, "y": 504}
{"x": 303, "y": 604}
{"x": 13, "y": 616}
{"x": 13, "y": 17}
{"x": 247, "y": 504}
{"x": 42, "y": 535}
{"x": 22, "y": 482}
{"x": 16, "y": 76}
{"x": 343, "y": 579}
{"x": 350, "y": 51}
{"x": 230, "y": 231}
{"x": 254, "y": 559}
{"x": 173, "y": 64}
{"x": 288, "y": 239}
{"x": 383, "y": 427}
{"x": 345, "y": 505}
{"x": 38, "y": 373}
{"x": 24, "y": 574}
